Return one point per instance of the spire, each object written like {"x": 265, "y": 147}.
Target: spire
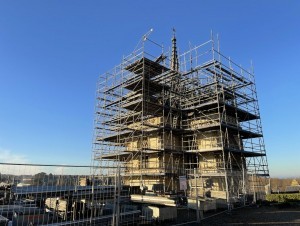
{"x": 174, "y": 58}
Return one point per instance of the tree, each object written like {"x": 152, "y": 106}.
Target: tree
{"x": 40, "y": 179}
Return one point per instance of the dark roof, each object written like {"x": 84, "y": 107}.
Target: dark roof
{"x": 54, "y": 189}
{"x": 292, "y": 188}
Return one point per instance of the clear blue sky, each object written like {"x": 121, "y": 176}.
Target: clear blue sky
{"x": 51, "y": 53}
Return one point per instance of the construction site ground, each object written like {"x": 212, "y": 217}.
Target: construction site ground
{"x": 282, "y": 214}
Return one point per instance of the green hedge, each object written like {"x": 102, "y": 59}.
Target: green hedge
{"x": 283, "y": 197}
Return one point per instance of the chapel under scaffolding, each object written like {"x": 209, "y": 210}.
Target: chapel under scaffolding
{"x": 188, "y": 124}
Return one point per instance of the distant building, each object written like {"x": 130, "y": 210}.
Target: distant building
{"x": 3, "y": 184}
{"x": 84, "y": 181}
{"x": 293, "y": 188}
{"x": 25, "y": 181}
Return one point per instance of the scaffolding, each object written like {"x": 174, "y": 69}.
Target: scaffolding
{"x": 162, "y": 116}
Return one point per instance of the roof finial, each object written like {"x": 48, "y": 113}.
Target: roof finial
{"x": 174, "y": 59}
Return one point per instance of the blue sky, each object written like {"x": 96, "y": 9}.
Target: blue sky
{"x": 51, "y": 53}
